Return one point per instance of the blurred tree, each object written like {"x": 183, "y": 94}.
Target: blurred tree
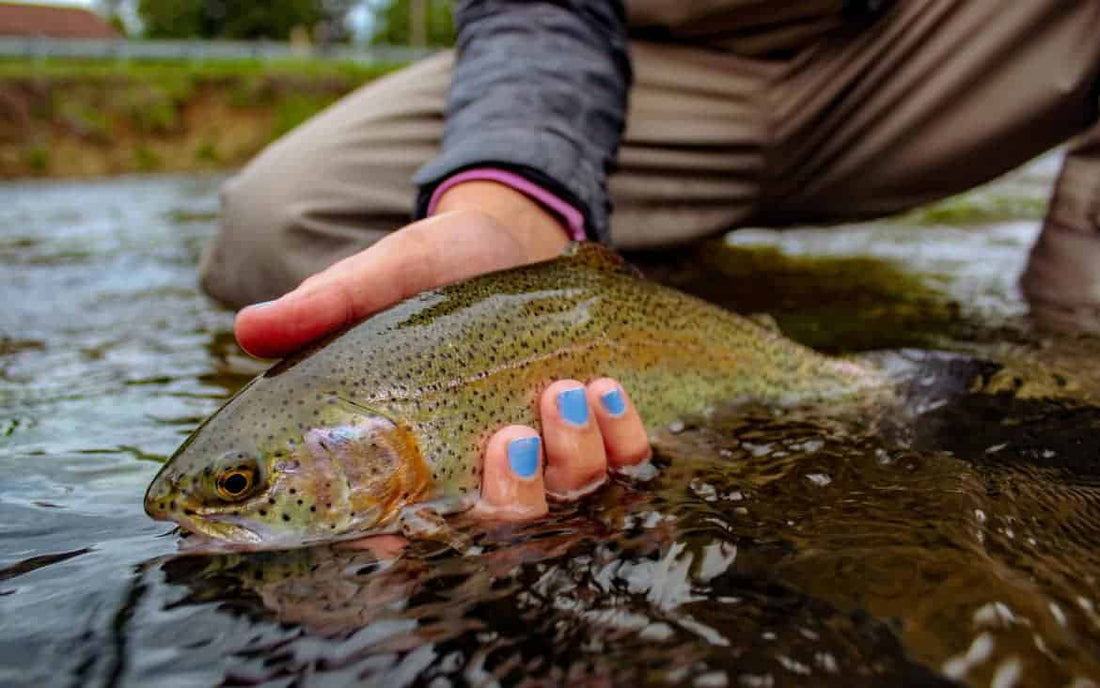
{"x": 394, "y": 21}
{"x": 109, "y": 8}
{"x": 252, "y": 19}
{"x": 171, "y": 18}
{"x": 242, "y": 19}
{"x": 112, "y": 11}
{"x": 334, "y": 23}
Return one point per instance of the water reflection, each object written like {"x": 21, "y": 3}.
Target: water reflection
{"x": 577, "y": 599}
{"x": 773, "y": 548}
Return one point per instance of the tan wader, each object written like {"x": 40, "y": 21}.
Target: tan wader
{"x": 750, "y": 117}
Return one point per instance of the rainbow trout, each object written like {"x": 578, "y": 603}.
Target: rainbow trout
{"x": 363, "y": 431}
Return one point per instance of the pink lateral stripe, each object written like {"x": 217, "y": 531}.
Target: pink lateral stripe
{"x": 570, "y": 216}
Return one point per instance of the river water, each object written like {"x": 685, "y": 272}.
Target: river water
{"x": 954, "y": 537}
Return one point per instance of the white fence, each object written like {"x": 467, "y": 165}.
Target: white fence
{"x": 199, "y": 51}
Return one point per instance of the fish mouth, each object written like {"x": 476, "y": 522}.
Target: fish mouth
{"x": 193, "y": 520}
{"x": 227, "y": 530}
{"x": 194, "y": 542}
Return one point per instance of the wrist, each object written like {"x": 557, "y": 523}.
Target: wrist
{"x": 542, "y": 233}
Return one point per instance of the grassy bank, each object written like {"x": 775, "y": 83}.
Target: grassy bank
{"x": 85, "y": 118}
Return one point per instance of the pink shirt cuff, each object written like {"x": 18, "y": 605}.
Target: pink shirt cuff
{"x": 570, "y": 216}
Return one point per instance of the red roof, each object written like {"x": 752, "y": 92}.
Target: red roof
{"x": 54, "y": 22}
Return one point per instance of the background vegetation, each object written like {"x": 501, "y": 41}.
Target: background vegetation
{"x": 87, "y": 117}
{"x": 393, "y": 22}
{"x": 243, "y": 19}
{"x": 69, "y": 118}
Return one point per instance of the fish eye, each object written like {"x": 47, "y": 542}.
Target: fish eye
{"x": 236, "y": 482}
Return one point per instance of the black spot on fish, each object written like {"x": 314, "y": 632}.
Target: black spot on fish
{"x": 286, "y": 517}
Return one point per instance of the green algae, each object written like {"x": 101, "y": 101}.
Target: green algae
{"x": 97, "y": 117}
{"x": 832, "y": 303}
{"x": 977, "y": 209}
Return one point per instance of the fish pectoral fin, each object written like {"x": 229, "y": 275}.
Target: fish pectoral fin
{"x": 422, "y": 522}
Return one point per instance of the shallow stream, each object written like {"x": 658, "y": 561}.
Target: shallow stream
{"x": 952, "y": 537}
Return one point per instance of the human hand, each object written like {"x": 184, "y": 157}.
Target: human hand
{"x": 587, "y": 431}
{"x": 478, "y": 227}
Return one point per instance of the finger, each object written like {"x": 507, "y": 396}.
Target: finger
{"x": 575, "y": 459}
{"x": 624, "y": 435}
{"x": 512, "y": 485}
{"x": 326, "y": 302}
{"x": 426, "y": 254}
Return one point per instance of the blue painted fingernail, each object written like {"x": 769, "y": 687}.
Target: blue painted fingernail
{"x": 262, "y": 304}
{"x": 523, "y": 456}
{"x": 573, "y": 407}
{"x": 614, "y": 403}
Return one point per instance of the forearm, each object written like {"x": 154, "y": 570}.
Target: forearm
{"x": 539, "y": 89}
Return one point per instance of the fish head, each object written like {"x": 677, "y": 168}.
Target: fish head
{"x": 327, "y": 470}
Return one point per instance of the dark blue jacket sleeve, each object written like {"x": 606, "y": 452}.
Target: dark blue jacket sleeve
{"x": 539, "y": 89}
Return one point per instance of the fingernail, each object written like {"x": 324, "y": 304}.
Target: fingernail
{"x": 523, "y": 456}
{"x": 572, "y": 406}
{"x": 614, "y": 403}
{"x": 262, "y": 304}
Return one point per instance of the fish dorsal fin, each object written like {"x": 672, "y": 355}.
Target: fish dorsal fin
{"x": 598, "y": 257}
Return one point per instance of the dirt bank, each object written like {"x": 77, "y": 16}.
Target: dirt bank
{"x": 61, "y": 119}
